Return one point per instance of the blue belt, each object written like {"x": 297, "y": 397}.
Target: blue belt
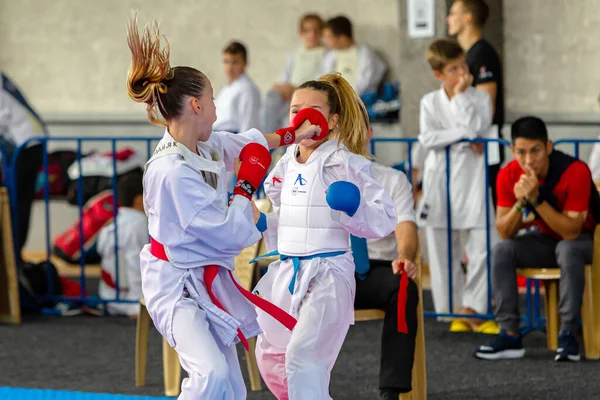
{"x": 296, "y": 262}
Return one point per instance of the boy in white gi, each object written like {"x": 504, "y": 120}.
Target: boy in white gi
{"x": 359, "y": 64}
{"x": 456, "y": 111}
{"x": 594, "y": 161}
{"x": 187, "y": 281}
{"x": 131, "y": 237}
{"x": 302, "y": 65}
{"x": 238, "y": 103}
{"x": 322, "y": 191}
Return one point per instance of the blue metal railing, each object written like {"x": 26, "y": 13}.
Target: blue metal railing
{"x": 9, "y": 167}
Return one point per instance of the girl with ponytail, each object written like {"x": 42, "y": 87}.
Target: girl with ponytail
{"x": 322, "y": 191}
{"x": 190, "y": 291}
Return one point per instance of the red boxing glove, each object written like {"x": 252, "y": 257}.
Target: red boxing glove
{"x": 315, "y": 117}
{"x": 255, "y": 160}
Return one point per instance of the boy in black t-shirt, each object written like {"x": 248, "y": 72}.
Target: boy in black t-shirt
{"x": 466, "y": 21}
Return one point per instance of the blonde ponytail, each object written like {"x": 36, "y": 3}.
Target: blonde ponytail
{"x": 343, "y": 100}
{"x": 151, "y": 79}
{"x": 149, "y": 67}
{"x": 353, "y": 131}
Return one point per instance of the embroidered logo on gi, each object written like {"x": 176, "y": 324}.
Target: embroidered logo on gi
{"x": 164, "y": 147}
{"x": 275, "y": 180}
{"x": 300, "y": 180}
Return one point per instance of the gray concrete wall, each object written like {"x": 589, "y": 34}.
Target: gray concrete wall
{"x": 72, "y": 56}
{"x": 552, "y": 54}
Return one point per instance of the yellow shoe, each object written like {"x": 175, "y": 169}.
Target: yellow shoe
{"x": 489, "y": 327}
{"x": 458, "y": 325}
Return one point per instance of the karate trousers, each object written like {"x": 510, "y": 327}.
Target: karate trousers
{"x": 213, "y": 369}
{"x": 300, "y": 370}
{"x": 469, "y": 289}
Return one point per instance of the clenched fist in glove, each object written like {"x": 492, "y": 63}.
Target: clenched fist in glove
{"x": 316, "y": 129}
{"x": 254, "y": 162}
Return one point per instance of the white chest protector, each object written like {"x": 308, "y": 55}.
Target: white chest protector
{"x": 305, "y": 225}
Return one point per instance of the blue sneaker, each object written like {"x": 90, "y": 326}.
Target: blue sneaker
{"x": 568, "y": 348}
{"x": 502, "y": 347}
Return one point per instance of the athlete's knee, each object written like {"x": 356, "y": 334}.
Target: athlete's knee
{"x": 299, "y": 359}
{"x": 218, "y": 373}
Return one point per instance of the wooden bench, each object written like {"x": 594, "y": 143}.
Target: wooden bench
{"x": 63, "y": 267}
{"x": 419, "y": 373}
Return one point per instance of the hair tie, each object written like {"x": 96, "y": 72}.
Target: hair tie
{"x": 162, "y": 88}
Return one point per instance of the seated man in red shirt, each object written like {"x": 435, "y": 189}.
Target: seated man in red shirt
{"x": 552, "y": 193}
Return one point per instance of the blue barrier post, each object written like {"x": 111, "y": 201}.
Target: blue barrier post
{"x": 449, "y": 232}
{"x": 115, "y": 210}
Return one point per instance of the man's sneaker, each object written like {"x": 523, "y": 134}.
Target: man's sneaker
{"x": 568, "y": 348}
{"x": 502, "y": 347}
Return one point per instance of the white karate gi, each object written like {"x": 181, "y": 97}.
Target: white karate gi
{"x": 18, "y": 121}
{"x": 302, "y": 65}
{"x": 419, "y": 154}
{"x": 443, "y": 122}
{"x": 358, "y": 64}
{"x": 399, "y": 188}
{"x": 238, "y": 106}
{"x": 297, "y": 365}
{"x": 594, "y": 162}
{"x": 190, "y": 216}
{"x": 132, "y": 236}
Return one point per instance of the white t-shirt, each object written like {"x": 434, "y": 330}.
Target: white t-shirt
{"x": 132, "y": 229}
{"x": 594, "y": 161}
{"x": 238, "y": 106}
{"x": 398, "y": 187}
{"x": 302, "y": 65}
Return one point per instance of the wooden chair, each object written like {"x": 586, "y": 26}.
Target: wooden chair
{"x": 590, "y": 310}
{"x": 171, "y": 366}
{"x": 419, "y": 374}
{"x": 10, "y": 309}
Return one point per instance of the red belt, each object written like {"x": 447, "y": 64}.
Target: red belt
{"x": 211, "y": 272}
{"x": 402, "y": 296}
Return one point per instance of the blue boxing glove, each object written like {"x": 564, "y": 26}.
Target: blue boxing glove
{"x": 343, "y": 196}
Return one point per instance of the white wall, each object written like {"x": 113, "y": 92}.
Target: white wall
{"x": 551, "y": 55}
{"x": 72, "y": 56}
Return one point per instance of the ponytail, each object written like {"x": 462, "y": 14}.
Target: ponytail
{"x": 150, "y": 78}
{"x": 343, "y": 100}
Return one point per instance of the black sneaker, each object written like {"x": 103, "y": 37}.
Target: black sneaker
{"x": 388, "y": 395}
{"x": 502, "y": 347}
{"x": 568, "y": 348}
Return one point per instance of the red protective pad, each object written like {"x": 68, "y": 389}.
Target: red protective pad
{"x": 255, "y": 161}
{"x": 97, "y": 212}
{"x": 315, "y": 117}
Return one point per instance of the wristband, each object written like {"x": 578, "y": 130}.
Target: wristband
{"x": 261, "y": 225}
{"x": 287, "y": 136}
{"x": 518, "y": 207}
{"x": 244, "y": 188}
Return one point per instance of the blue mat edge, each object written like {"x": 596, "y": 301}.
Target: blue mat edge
{"x": 10, "y": 393}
